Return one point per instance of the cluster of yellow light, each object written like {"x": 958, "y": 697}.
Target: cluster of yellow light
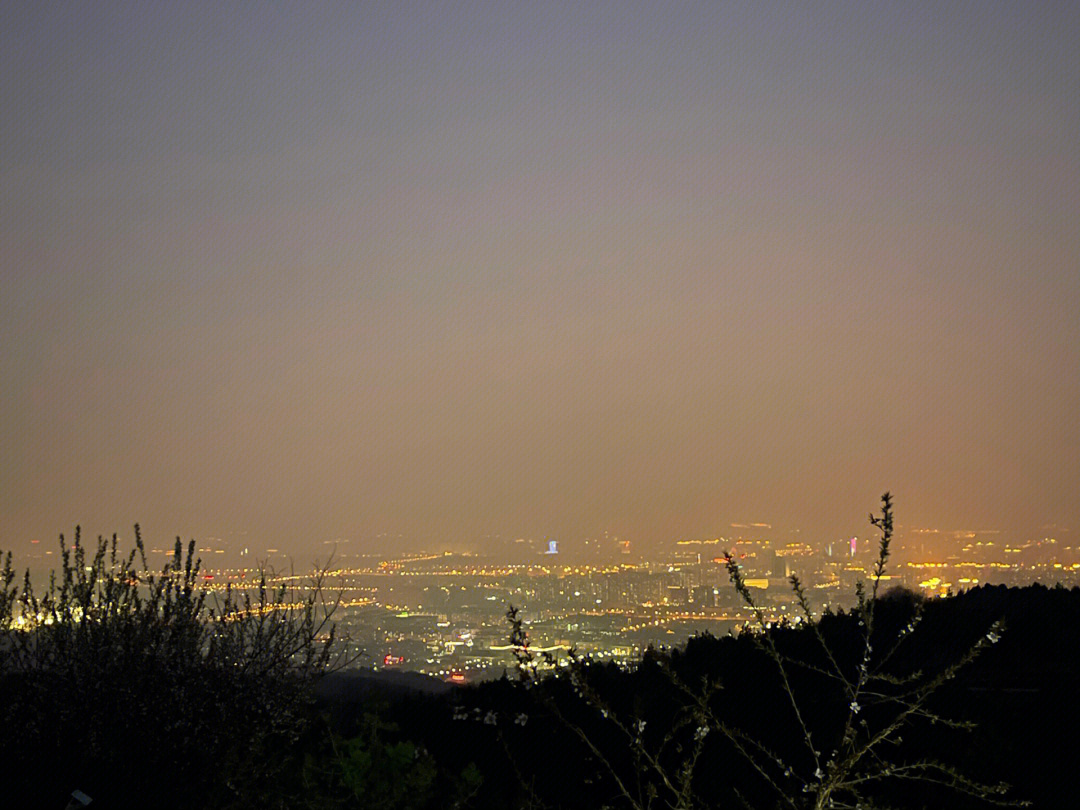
{"x": 23, "y": 622}
{"x": 411, "y": 558}
{"x": 263, "y": 610}
{"x": 935, "y": 583}
{"x": 676, "y": 617}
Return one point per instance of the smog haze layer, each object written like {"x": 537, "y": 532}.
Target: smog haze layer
{"x": 449, "y": 273}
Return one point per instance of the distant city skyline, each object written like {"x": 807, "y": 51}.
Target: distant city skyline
{"x": 541, "y": 270}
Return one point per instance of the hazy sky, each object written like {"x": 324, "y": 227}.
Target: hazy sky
{"x": 543, "y": 270}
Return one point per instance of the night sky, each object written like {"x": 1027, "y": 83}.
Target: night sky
{"x": 448, "y": 271}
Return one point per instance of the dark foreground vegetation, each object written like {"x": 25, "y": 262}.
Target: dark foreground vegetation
{"x": 146, "y": 692}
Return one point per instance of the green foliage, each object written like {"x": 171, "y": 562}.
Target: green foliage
{"x": 367, "y": 770}
{"x": 376, "y": 768}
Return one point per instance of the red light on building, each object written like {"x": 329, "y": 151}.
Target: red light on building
{"x": 393, "y": 660}
{"x": 457, "y": 677}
